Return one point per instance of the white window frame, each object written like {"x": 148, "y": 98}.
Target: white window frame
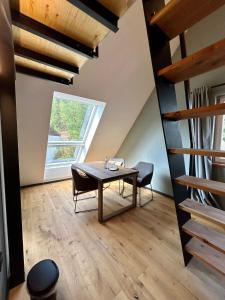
{"x": 58, "y": 170}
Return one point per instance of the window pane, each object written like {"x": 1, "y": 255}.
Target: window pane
{"x": 69, "y": 120}
{"x": 59, "y": 154}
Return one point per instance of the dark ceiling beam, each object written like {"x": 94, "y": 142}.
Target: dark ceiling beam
{"x": 45, "y": 60}
{"x": 50, "y": 34}
{"x": 42, "y": 75}
{"x": 98, "y": 12}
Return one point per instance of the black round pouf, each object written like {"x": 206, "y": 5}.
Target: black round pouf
{"x": 42, "y": 280}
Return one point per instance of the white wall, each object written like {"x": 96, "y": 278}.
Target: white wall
{"x": 145, "y": 142}
{"x": 121, "y": 77}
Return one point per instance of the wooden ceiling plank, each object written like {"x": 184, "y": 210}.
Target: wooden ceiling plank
{"x": 31, "y": 64}
{"x": 40, "y": 45}
{"x": 41, "y": 30}
{"x": 98, "y": 12}
{"x": 42, "y": 75}
{"x": 43, "y": 59}
{"x": 118, "y": 7}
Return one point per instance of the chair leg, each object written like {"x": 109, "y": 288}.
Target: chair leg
{"x": 151, "y": 191}
{"x": 140, "y": 202}
{"x": 139, "y": 194}
{"x": 106, "y": 187}
{"x": 122, "y": 191}
{"x": 75, "y": 203}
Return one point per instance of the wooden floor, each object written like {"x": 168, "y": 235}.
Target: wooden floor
{"x": 134, "y": 256}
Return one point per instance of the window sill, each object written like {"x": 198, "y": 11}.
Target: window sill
{"x": 218, "y": 164}
{"x": 59, "y": 165}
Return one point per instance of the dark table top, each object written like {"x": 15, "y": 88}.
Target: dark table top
{"x": 96, "y": 169}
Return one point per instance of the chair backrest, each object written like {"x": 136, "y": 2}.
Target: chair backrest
{"x": 145, "y": 171}
{"x": 120, "y": 162}
{"x": 79, "y": 177}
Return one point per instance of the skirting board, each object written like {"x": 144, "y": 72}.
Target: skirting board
{"x": 69, "y": 178}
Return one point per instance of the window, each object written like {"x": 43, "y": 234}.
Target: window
{"x": 73, "y": 123}
{"x": 220, "y": 132}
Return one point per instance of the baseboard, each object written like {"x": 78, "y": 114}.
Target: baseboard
{"x": 45, "y": 182}
{"x": 64, "y": 179}
{"x": 161, "y": 193}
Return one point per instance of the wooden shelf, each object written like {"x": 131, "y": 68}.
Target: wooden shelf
{"x": 210, "y": 236}
{"x": 204, "y": 111}
{"x": 200, "y": 62}
{"x": 206, "y": 254}
{"x": 203, "y": 152}
{"x": 207, "y": 212}
{"x": 211, "y": 186}
{"x": 173, "y": 19}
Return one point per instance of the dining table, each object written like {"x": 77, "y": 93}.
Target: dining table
{"x": 104, "y": 175}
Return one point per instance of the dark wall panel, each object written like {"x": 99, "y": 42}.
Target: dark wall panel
{"x": 10, "y": 147}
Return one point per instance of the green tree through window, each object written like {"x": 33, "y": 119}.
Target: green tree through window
{"x": 67, "y": 118}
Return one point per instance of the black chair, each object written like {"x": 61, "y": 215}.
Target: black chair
{"x": 82, "y": 184}
{"x": 145, "y": 173}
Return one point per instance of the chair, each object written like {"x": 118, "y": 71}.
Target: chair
{"x": 119, "y": 162}
{"x": 82, "y": 184}
{"x": 145, "y": 173}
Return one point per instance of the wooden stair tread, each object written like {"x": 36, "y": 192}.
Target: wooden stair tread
{"x": 211, "y": 186}
{"x": 204, "y": 111}
{"x": 177, "y": 16}
{"x": 203, "y": 152}
{"x": 204, "y": 60}
{"x": 210, "y": 213}
{"x": 207, "y": 254}
{"x": 210, "y": 236}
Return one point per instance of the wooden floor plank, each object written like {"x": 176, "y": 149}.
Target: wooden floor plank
{"x": 111, "y": 261}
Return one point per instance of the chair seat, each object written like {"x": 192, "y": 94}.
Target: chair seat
{"x": 42, "y": 278}
{"x": 130, "y": 181}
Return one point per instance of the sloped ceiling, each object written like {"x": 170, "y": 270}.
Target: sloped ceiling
{"x": 121, "y": 76}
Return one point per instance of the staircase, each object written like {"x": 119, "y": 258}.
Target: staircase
{"x": 198, "y": 224}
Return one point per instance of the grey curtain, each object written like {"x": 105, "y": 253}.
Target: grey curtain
{"x": 202, "y": 132}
